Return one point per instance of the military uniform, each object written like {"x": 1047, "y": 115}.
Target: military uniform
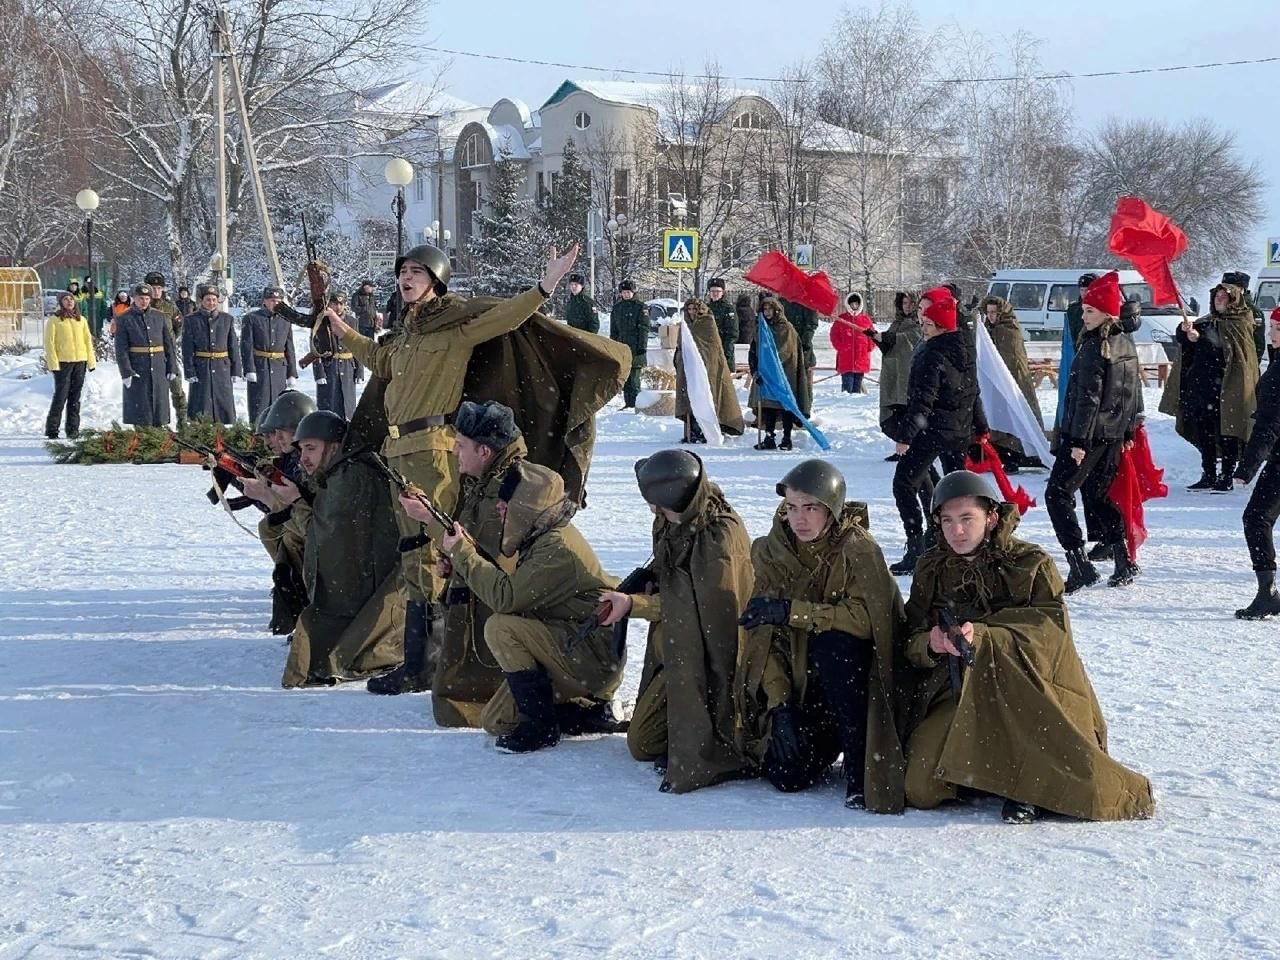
{"x": 336, "y": 378}
{"x": 629, "y": 325}
{"x": 805, "y": 320}
{"x": 146, "y": 356}
{"x": 365, "y": 307}
{"x": 580, "y": 313}
{"x": 532, "y": 633}
{"x": 267, "y": 355}
{"x": 211, "y": 360}
{"x": 726, "y": 324}
{"x": 165, "y": 307}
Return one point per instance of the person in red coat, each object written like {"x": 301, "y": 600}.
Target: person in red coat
{"x": 853, "y": 346}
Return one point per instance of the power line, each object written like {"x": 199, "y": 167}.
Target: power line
{"x": 951, "y": 80}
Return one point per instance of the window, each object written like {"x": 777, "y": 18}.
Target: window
{"x": 1140, "y": 290}
{"x": 1061, "y": 295}
{"x": 472, "y": 154}
{"x": 1000, "y": 290}
{"x": 731, "y": 186}
{"x": 1268, "y": 294}
{"x": 1027, "y": 296}
{"x": 419, "y": 185}
{"x": 582, "y": 120}
{"x": 807, "y": 187}
{"x": 731, "y": 252}
{"x": 551, "y": 183}
{"x": 540, "y": 187}
{"x": 769, "y": 187}
{"x": 751, "y": 120}
{"x": 621, "y": 192}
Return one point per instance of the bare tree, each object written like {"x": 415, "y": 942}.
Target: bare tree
{"x": 624, "y": 172}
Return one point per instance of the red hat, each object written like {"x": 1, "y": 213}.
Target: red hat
{"x": 1104, "y": 294}
{"x": 941, "y": 309}
{"x": 1275, "y": 315}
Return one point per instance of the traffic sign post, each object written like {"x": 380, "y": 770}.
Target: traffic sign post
{"x": 1273, "y": 252}
{"x": 381, "y": 261}
{"x": 680, "y": 249}
{"x": 804, "y": 255}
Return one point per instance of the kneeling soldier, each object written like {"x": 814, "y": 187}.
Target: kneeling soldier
{"x": 816, "y": 677}
{"x": 684, "y": 715}
{"x": 1022, "y": 722}
{"x": 555, "y": 584}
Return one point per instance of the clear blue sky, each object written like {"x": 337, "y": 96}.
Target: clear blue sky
{"x": 758, "y": 37}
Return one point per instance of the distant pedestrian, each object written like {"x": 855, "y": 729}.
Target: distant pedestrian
{"x": 853, "y": 346}
{"x": 69, "y": 354}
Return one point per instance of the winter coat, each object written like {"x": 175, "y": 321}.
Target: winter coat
{"x": 1028, "y": 725}
{"x": 746, "y": 315}
{"x": 897, "y": 346}
{"x": 727, "y": 328}
{"x": 466, "y": 674}
{"x": 145, "y": 351}
{"x": 354, "y": 621}
{"x": 580, "y": 313}
{"x": 1006, "y": 334}
{"x": 340, "y": 374}
{"x": 1104, "y": 391}
{"x": 629, "y": 324}
{"x": 853, "y": 346}
{"x": 67, "y": 340}
{"x": 789, "y": 352}
{"x": 1218, "y": 374}
{"x": 839, "y": 582}
{"x": 942, "y": 392}
{"x": 805, "y": 320}
{"x": 267, "y": 352}
{"x": 1265, "y": 434}
{"x": 210, "y": 358}
{"x": 365, "y": 308}
{"x": 556, "y": 579}
{"x": 185, "y": 306}
{"x": 703, "y": 567}
{"x": 702, "y": 328}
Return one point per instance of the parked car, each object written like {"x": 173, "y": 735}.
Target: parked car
{"x": 51, "y": 298}
{"x": 662, "y": 308}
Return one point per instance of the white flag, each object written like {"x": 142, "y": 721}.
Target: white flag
{"x": 1002, "y": 399}
{"x": 698, "y": 386}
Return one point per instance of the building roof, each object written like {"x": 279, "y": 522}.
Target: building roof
{"x": 409, "y": 97}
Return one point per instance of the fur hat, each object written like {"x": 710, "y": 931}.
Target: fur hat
{"x": 941, "y": 309}
{"x": 490, "y": 423}
{"x": 715, "y": 282}
{"x": 1104, "y": 294}
{"x": 627, "y": 285}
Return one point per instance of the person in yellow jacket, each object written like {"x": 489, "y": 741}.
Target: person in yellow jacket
{"x": 68, "y": 351}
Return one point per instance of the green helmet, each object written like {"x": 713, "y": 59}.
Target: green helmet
{"x": 819, "y": 480}
{"x": 434, "y": 259}
{"x": 963, "y": 483}
{"x": 669, "y": 478}
{"x": 287, "y": 412}
{"x": 321, "y": 425}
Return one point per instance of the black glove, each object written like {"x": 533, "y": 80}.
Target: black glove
{"x": 784, "y": 738}
{"x": 766, "y": 610}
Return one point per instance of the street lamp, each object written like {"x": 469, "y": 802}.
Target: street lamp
{"x": 87, "y": 201}
{"x": 434, "y": 234}
{"x": 399, "y": 173}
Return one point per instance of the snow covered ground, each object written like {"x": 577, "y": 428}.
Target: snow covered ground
{"x": 160, "y": 796}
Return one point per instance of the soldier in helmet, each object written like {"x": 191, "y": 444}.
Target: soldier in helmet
{"x": 166, "y": 308}
{"x": 337, "y": 376}
{"x": 551, "y": 582}
{"x": 1022, "y": 722}
{"x": 267, "y": 353}
{"x": 629, "y": 324}
{"x": 426, "y": 363}
{"x": 351, "y": 626}
{"x": 210, "y": 359}
{"x": 726, "y": 320}
{"x": 580, "y": 309}
{"x": 684, "y": 716}
{"x": 147, "y": 357}
{"x": 816, "y": 677}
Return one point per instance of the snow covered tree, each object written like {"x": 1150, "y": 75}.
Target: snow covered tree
{"x": 509, "y": 247}
{"x": 565, "y": 212}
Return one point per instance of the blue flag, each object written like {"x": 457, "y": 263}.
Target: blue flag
{"x": 1064, "y": 368}
{"x": 772, "y": 380}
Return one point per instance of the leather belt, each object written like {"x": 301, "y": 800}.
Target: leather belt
{"x": 269, "y": 354}
{"x": 146, "y": 349}
{"x": 344, "y": 356}
{"x": 211, "y": 355}
{"x": 398, "y": 430}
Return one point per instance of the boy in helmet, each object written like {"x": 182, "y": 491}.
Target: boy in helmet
{"x": 425, "y": 363}
{"x": 816, "y": 679}
{"x": 684, "y": 714}
{"x": 1022, "y": 722}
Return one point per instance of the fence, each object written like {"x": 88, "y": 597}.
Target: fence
{"x": 21, "y": 306}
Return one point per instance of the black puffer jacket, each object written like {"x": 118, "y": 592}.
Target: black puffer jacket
{"x": 1264, "y": 441}
{"x": 942, "y": 392}
{"x": 1104, "y": 393}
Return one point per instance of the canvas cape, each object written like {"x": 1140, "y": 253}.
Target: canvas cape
{"x": 1028, "y": 726}
{"x": 702, "y": 327}
{"x": 773, "y": 670}
{"x": 1006, "y": 334}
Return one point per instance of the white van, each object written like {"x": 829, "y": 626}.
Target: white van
{"x": 1040, "y": 299}
{"x": 1266, "y": 293}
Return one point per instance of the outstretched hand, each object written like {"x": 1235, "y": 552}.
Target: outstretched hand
{"x": 557, "y": 267}
{"x": 336, "y": 323}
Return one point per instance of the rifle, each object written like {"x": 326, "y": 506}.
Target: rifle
{"x": 634, "y": 582}
{"x": 240, "y": 466}
{"x": 411, "y": 490}
{"x": 323, "y": 342}
{"x": 955, "y": 665}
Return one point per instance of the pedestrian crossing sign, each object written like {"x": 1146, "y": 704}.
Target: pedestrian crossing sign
{"x": 680, "y": 249}
{"x": 1273, "y": 252}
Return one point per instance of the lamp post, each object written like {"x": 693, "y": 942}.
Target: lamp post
{"x": 619, "y": 233}
{"x": 87, "y": 201}
{"x": 438, "y": 238}
{"x": 399, "y": 173}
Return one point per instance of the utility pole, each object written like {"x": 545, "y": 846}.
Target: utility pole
{"x": 220, "y": 45}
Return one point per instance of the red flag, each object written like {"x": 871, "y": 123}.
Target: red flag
{"x": 990, "y": 463}
{"x": 776, "y": 273}
{"x": 1150, "y": 241}
{"x": 1137, "y": 480}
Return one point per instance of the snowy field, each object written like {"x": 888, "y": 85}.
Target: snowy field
{"x": 160, "y": 796}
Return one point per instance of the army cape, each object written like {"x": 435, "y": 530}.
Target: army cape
{"x": 702, "y": 327}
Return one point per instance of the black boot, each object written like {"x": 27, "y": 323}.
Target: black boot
{"x": 1082, "y": 573}
{"x": 893, "y": 457}
{"x": 1227, "y": 478}
{"x": 1266, "y": 603}
{"x": 768, "y": 443}
{"x": 915, "y": 547}
{"x": 1126, "y": 570}
{"x": 535, "y": 699}
{"x": 1015, "y": 811}
{"x": 1208, "y": 472}
{"x": 1099, "y": 551}
{"x": 411, "y": 676}
{"x": 578, "y": 718}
